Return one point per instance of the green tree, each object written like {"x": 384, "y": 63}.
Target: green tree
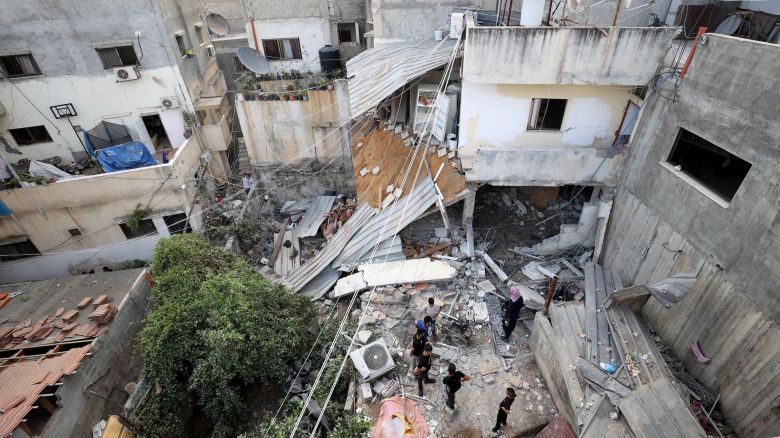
{"x": 216, "y": 326}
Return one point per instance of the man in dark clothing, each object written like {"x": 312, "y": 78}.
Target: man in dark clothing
{"x": 422, "y": 368}
{"x": 503, "y": 409}
{"x": 512, "y": 312}
{"x": 425, "y": 324}
{"x": 453, "y": 383}
{"x": 418, "y": 344}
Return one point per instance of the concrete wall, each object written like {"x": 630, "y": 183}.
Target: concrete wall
{"x": 231, "y": 10}
{"x": 95, "y": 98}
{"x": 313, "y": 33}
{"x": 295, "y": 131}
{"x": 495, "y": 145}
{"x": 350, "y": 12}
{"x": 602, "y": 13}
{"x": 111, "y": 366}
{"x": 401, "y": 20}
{"x": 95, "y": 203}
{"x": 568, "y": 55}
{"x": 662, "y": 224}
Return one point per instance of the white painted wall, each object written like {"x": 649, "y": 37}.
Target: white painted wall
{"x": 95, "y": 98}
{"x": 313, "y": 34}
{"x": 496, "y": 116}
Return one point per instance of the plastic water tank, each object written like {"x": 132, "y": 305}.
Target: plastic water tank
{"x": 329, "y": 59}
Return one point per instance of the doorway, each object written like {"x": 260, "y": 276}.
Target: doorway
{"x": 154, "y": 126}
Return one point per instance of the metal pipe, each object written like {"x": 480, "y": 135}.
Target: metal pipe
{"x": 550, "y": 293}
{"x": 254, "y": 35}
{"x": 509, "y": 14}
{"x": 617, "y": 12}
{"x": 701, "y": 32}
{"x": 549, "y": 14}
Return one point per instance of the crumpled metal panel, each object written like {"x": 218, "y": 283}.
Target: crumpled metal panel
{"x": 388, "y": 222}
{"x": 306, "y": 273}
{"x": 314, "y": 216}
{"x": 377, "y": 73}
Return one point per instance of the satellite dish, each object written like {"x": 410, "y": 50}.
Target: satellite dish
{"x": 729, "y": 26}
{"x": 217, "y": 24}
{"x": 253, "y": 60}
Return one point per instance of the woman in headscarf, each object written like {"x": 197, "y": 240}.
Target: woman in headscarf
{"x": 512, "y": 312}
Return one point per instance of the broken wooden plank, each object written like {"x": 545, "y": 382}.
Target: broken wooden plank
{"x": 633, "y": 297}
{"x": 278, "y": 243}
{"x": 657, "y": 411}
{"x": 601, "y": 379}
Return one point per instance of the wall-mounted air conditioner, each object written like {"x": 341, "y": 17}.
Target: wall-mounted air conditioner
{"x": 373, "y": 361}
{"x": 169, "y": 102}
{"x": 127, "y": 73}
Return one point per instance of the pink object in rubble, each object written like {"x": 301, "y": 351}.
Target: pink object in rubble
{"x": 697, "y": 351}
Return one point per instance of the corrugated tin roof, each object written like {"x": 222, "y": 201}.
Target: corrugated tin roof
{"x": 321, "y": 284}
{"x": 384, "y": 225}
{"x": 288, "y": 259}
{"x": 389, "y": 250}
{"x": 376, "y": 73}
{"x": 314, "y": 216}
{"x": 306, "y": 273}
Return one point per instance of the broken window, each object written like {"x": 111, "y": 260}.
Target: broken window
{"x": 238, "y": 66}
{"x": 716, "y": 168}
{"x": 282, "y": 49}
{"x": 118, "y": 56}
{"x": 546, "y": 114}
{"x": 347, "y": 32}
{"x": 145, "y": 227}
{"x": 18, "y": 248}
{"x": 30, "y": 135}
{"x": 19, "y": 65}
{"x": 177, "y": 223}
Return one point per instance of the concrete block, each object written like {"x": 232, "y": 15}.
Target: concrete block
{"x": 398, "y": 128}
{"x": 369, "y": 320}
{"x": 375, "y": 170}
{"x": 363, "y": 336}
{"x": 398, "y": 192}
{"x": 363, "y": 171}
{"x": 359, "y": 145}
{"x": 390, "y": 189}
{"x": 365, "y": 389}
{"x": 451, "y": 154}
{"x": 388, "y": 201}
{"x": 404, "y": 135}
{"x": 441, "y": 152}
{"x": 481, "y": 312}
{"x": 488, "y": 379}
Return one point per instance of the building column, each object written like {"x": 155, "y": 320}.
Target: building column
{"x": 161, "y": 226}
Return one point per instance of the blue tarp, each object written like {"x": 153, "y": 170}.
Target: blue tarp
{"x": 130, "y": 155}
{"x": 4, "y": 210}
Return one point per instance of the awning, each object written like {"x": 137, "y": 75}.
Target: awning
{"x": 376, "y": 73}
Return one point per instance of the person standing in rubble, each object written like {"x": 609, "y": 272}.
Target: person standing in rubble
{"x": 247, "y": 182}
{"x": 432, "y": 310}
{"x": 512, "y": 313}
{"x": 503, "y": 409}
{"x": 422, "y": 368}
{"x": 453, "y": 383}
{"x": 425, "y": 325}
{"x": 418, "y": 345}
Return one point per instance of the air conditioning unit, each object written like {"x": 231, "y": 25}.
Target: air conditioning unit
{"x": 169, "y": 102}
{"x": 128, "y": 73}
{"x": 373, "y": 361}
{"x": 211, "y": 51}
{"x": 456, "y": 24}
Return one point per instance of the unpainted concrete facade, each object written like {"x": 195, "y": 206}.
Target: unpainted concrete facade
{"x": 663, "y": 223}
{"x": 401, "y": 20}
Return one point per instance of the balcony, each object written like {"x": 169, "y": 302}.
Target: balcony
{"x": 564, "y": 55}
{"x": 217, "y": 135}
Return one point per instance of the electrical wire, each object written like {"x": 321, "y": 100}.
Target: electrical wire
{"x": 354, "y": 297}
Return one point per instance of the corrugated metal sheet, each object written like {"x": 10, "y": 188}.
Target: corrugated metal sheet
{"x": 306, "y": 273}
{"x": 321, "y": 284}
{"x": 384, "y": 225}
{"x": 314, "y": 216}
{"x": 389, "y": 250}
{"x": 288, "y": 259}
{"x": 378, "y": 72}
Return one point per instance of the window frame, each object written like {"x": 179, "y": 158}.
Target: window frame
{"x": 23, "y": 246}
{"x": 180, "y": 43}
{"x": 27, "y": 129}
{"x": 124, "y": 63}
{"x": 354, "y": 32}
{"x": 295, "y": 46}
{"x": 533, "y": 114}
{"x": 199, "y": 34}
{"x": 673, "y": 159}
{"x": 33, "y": 62}
{"x": 238, "y": 67}
{"x": 141, "y": 231}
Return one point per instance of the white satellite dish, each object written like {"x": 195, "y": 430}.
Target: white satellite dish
{"x": 217, "y": 24}
{"x": 253, "y": 60}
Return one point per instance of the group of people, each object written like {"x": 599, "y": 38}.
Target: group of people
{"x": 422, "y": 352}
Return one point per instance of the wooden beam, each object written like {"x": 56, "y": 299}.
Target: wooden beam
{"x": 49, "y": 406}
